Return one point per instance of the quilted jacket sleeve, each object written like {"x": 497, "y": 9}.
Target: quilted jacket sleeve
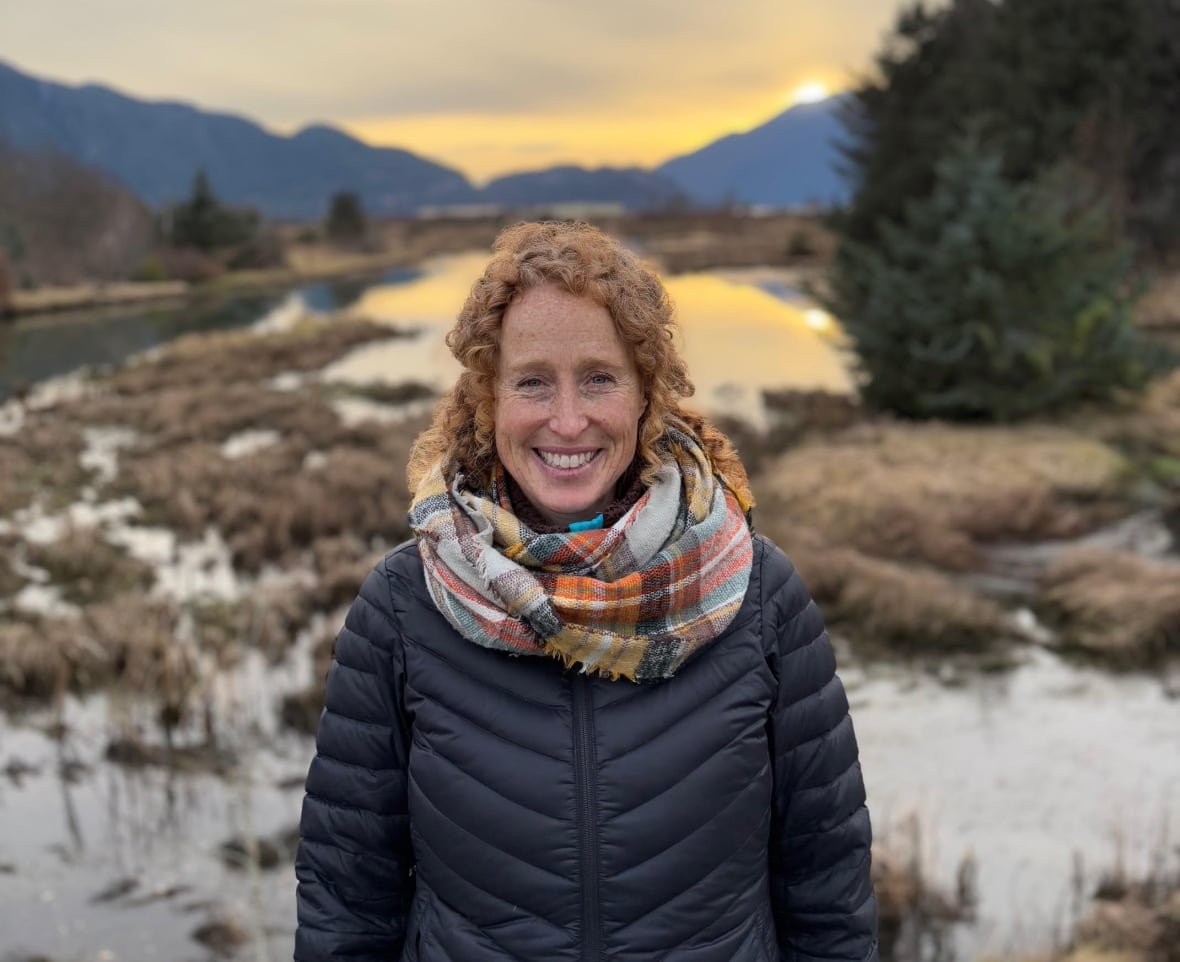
{"x": 354, "y": 860}
{"x": 820, "y": 843}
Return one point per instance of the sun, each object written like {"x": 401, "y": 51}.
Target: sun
{"x": 808, "y": 93}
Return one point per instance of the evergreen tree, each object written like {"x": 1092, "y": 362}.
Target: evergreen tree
{"x": 345, "y": 222}
{"x": 1095, "y": 81}
{"x": 988, "y": 299}
{"x": 898, "y": 124}
{"x": 205, "y": 223}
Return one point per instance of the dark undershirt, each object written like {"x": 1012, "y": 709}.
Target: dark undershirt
{"x": 628, "y": 490}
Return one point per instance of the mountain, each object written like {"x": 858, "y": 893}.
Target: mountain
{"x": 790, "y": 161}
{"x": 155, "y": 149}
{"x": 633, "y": 187}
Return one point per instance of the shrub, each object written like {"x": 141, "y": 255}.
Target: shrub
{"x": 990, "y": 299}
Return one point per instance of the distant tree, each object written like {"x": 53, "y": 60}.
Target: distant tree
{"x": 989, "y": 299}
{"x": 1040, "y": 81}
{"x": 345, "y": 222}
{"x": 62, "y": 223}
{"x": 205, "y": 223}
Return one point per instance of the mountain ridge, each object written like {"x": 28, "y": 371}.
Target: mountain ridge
{"x": 155, "y": 147}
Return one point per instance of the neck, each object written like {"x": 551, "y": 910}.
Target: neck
{"x": 628, "y": 489}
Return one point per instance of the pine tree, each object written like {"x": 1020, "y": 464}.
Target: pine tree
{"x": 1040, "y": 81}
{"x": 989, "y": 299}
{"x": 205, "y": 223}
{"x": 345, "y": 222}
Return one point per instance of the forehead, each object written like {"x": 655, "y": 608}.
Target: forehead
{"x": 550, "y": 322}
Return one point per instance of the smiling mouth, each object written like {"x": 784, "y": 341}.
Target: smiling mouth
{"x": 566, "y": 462}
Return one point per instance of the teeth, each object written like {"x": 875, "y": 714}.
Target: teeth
{"x": 566, "y": 460}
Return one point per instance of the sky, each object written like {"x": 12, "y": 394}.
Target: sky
{"x": 485, "y": 86}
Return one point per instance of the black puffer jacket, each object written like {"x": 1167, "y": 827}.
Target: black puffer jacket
{"x": 465, "y": 805}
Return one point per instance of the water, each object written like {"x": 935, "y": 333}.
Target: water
{"x": 37, "y": 348}
{"x": 1025, "y": 770}
{"x": 742, "y": 331}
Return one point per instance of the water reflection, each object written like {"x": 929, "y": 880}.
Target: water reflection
{"x": 37, "y": 348}
{"x": 741, "y": 332}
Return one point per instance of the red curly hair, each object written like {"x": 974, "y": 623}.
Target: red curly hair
{"x": 586, "y": 263}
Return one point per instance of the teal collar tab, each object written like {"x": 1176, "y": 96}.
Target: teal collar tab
{"x": 592, "y": 525}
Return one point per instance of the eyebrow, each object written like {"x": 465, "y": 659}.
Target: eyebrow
{"x": 544, "y": 364}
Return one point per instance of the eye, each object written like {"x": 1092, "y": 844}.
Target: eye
{"x": 601, "y": 380}
{"x": 528, "y": 382}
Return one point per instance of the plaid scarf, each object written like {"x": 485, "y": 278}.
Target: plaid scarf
{"x": 634, "y": 601}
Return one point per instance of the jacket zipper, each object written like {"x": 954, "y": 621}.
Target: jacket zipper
{"x": 586, "y": 780}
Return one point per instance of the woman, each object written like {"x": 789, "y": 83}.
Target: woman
{"x": 587, "y": 715}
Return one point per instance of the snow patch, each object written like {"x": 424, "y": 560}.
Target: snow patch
{"x": 314, "y": 461}
{"x": 200, "y": 569}
{"x": 283, "y": 316}
{"x": 287, "y": 381}
{"x": 44, "y": 600}
{"x": 101, "y": 451}
{"x": 355, "y": 410}
{"x": 12, "y": 418}
{"x": 37, "y": 527}
{"x": 245, "y": 443}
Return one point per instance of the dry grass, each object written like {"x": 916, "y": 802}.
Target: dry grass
{"x": 904, "y": 608}
{"x": 235, "y": 357}
{"x": 171, "y": 416}
{"x": 274, "y": 506}
{"x": 917, "y": 913}
{"x": 10, "y": 581}
{"x": 269, "y": 505}
{"x": 41, "y": 462}
{"x": 1134, "y": 919}
{"x": 1160, "y": 307}
{"x": 1147, "y": 429}
{"x": 126, "y": 639}
{"x": 268, "y": 619}
{"x": 929, "y": 493}
{"x": 89, "y": 569}
{"x": 1114, "y": 604}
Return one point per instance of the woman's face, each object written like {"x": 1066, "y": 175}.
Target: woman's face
{"x": 568, "y": 401}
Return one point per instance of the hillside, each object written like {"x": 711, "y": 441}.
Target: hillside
{"x": 790, "y": 161}
{"x": 154, "y": 149}
{"x": 61, "y": 223}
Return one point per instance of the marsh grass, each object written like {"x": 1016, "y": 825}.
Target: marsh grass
{"x": 41, "y": 463}
{"x": 889, "y": 606}
{"x": 1131, "y": 917}
{"x": 246, "y": 356}
{"x": 918, "y": 914}
{"x": 1113, "y": 604}
{"x": 88, "y": 569}
{"x": 931, "y": 493}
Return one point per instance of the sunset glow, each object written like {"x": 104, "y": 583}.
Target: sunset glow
{"x": 809, "y": 93}
{"x": 487, "y": 89}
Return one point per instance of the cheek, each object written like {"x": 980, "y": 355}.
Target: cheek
{"x": 513, "y": 424}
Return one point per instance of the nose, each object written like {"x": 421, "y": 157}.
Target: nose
{"x": 567, "y": 416}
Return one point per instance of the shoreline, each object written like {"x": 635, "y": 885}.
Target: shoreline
{"x": 676, "y": 243}
{"x": 48, "y": 301}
